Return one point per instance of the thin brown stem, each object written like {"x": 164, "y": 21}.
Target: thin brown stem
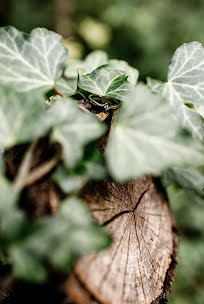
{"x": 58, "y": 92}
{"x": 25, "y": 167}
{"x": 41, "y": 171}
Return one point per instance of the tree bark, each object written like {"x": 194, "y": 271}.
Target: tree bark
{"x": 139, "y": 266}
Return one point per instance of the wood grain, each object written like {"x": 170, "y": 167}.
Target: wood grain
{"x": 135, "y": 268}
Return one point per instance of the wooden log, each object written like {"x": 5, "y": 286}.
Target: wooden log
{"x": 139, "y": 266}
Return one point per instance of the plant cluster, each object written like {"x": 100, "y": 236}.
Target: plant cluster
{"x": 154, "y": 128}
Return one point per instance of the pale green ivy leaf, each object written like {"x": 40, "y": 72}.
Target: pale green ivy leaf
{"x": 73, "y": 128}
{"x": 11, "y": 217}
{"x": 73, "y": 180}
{"x": 88, "y": 65}
{"x": 106, "y": 82}
{"x": 58, "y": 240}
{"x": 186, "y": 85}
{"x": 31, "y": 61}
{"x": 23, "y": 117}
{"x": 154, "y": 84}
{"x": 67, "y": 87}
{"x": 146, "y": 139}
{"x": 188, "y": 178}
{"x": 122, "y": 65}
{"x": 186, "y": 74}
{"x": 95, "y": 60}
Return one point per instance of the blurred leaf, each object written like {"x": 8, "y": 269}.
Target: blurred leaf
{"x": 73, "y": 128}
{"x": 23, "y": 117}
{"x": 106, "y": 82}
{"x": 31, "y": 61}
{"x": 94, "y": 60}
{"x": 11, "y": 217}
{"x": 67, "y": 87}
{"x": 27, "y": 267}
{"x": 154, "y": 84}
{"x": 188, "y": 178}
{"x": 58, "y": 240}
{"x": 146, "y": 135}
{"x": 122, "y": 65}
{"x": 88, "y": 65}
{"x": 89, "y": 169}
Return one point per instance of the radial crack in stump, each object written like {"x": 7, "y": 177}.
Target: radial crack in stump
{"x": 135, "y": 269}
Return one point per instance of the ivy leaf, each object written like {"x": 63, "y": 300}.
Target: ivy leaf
{"x": 185, "y": 85}
{"x": 106, "y": 82}
{"x": 154, "y": 84}
{"x": 23, "y": 117}
{"x": 188, "y": 178}
{"x": 191, "y": 120}
{"x": 95, "y": 60}
{"x": 91, "y": 168}
{"x": 73, "y": 128}
{"x": 58, "y": 240}
{"x": 179, "y": 197}
{"x": 31, "y": 61}
{"x": 90, "y": 63}
{"x": 27, "y": 267}
{"x": 11, "y": 217}
{"x": 186, "y": 74}
{"x": 122, "y": 65}
{"x": 146, "y": 135}
{"x": 67, "y": 87}
{"x": 200, "y": 110}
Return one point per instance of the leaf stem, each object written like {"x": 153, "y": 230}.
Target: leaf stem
{"x": 58, "y": 92}
{"x": 82, "y": 95}
{"x": 41, "y": 171}
{"x": 25, "y": 166}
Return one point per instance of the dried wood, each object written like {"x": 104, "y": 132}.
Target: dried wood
{"x": 139, "y": 266}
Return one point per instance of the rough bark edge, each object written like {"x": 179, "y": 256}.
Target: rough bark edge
{"x": 164, "y": 296}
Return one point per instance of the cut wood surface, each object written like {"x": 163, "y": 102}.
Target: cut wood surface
{"x": 139, "y": 266}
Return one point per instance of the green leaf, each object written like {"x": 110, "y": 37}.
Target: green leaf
{"x": 92, "y": 168}
{"x": 72, "y": 67}
{"x": 94, "y": 60}
{"x": 186, "y": 74}
{"x": 27, "y": 266}
{"x": 122, "y": 65}
{"x": 73, "y": 128}
{"x": 23, "y": 117}
{"x": 147, "y": 136}
{"x": 188, "y": 178}
{"x": 67, "y": 87}
{"x": 191, "y": 120}
{"x": 11, "y": 217}
{"x": 31, "y": 61}
{"x": 90, "y": 63}
{"x": 154, "y": 84}
{"x": 185, "y": 85}
{"x": 59, "y": 240}
{"x": 106, "y": 82}
{"x": 179, "y": 196}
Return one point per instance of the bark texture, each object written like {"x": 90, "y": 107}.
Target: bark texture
{"x": 139, "y": 266}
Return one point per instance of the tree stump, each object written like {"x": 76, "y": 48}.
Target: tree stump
{"x": 139, "y": 266}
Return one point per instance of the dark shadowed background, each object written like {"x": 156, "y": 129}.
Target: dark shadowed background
{"x": 145, "y": 33}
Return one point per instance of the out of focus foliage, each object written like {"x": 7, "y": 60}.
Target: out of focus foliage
{"x": 145, "y": 33}
{"x": 188, "y": 287}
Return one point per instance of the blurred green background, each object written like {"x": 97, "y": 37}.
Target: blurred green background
{"x": 145, "y": 33}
